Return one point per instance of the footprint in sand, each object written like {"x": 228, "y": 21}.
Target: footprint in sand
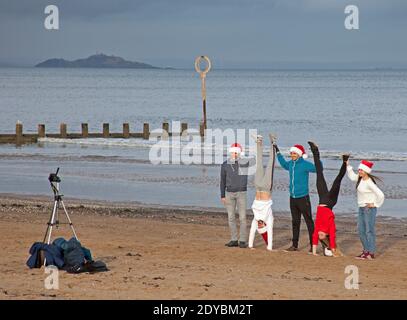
{"x": 129, "y": 254}
{"x": 208, "y": 285}
{"x": 313, "y": 279}
{"x": 150, "y": 284}
{"x": 108, "y": 258}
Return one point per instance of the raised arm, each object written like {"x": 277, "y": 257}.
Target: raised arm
{"x": 270, "y": 233}
{"x": 351, "y": 174}
{"x": 311, "y": 167}
{"x": 332, "y": 234}
{"x": 252, "y": 233}
{"x": 282, "y": 161}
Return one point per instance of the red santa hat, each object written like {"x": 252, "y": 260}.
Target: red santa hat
{"x": 236, "y": 148}
{"x": 300, "y": 150}
{"x": 366, "y": 166}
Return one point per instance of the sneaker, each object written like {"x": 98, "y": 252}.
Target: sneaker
{"x": 314, "y": 148}
{"x": 232, "y": 244}
{"x": 273, "y": 138}
{"x": 362, "y": 256}
{"x": 370, "y": 256}
{"x": 257, "y": 137}
{"x": 242, "y": 244}
{"x": 291, "y": 249}
{"x": 313, "y": 145}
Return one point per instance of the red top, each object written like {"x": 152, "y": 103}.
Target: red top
{"x": 325, "y": 222}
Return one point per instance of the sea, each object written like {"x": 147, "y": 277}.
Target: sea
{"x": 361, "y": 112}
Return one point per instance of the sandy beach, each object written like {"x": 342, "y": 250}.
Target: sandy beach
{"x": 170, "y": 253}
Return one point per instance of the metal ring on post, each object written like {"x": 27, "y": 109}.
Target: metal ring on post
{"x": 197, "y": 66}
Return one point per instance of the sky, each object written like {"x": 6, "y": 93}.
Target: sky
{"x": 233, "y": 33}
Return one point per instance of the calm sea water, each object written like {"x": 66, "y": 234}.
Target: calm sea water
{"x": 361, "y": 112}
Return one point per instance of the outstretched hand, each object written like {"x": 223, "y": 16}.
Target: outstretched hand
{"x": 273, "y": 140}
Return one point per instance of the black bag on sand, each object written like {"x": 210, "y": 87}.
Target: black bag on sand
{"x": 75, "y": 261}
{"x": 73, "y": 254}
{"x": 96, "y": 266}
{"x": 89, "y": 266}
{"x": 79, "y": 268}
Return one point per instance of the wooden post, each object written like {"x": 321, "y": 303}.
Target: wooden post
{"x": 202, "y": 129}
{"x": 85, "y": 130}
{"x": 41, "y": 131}
{"x": 184, "y": 127}
{"x": 19, "y": 132}
{"x": 106, "y": 130}
{"x": 204, "y": 111}
{"x": 203, "y": 73}
{"x": 126, "y": 130}
{"x": 62, "y": 130}
{"x": 146, "y": 131}
{"x": 166, "y": 130}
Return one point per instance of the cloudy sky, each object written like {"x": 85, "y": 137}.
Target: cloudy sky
{"x": 234, "y": 33}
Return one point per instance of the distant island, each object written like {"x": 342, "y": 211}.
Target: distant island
{"x": 95, "y": 61}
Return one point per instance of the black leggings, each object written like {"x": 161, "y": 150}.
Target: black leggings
{"x": 327, "y": 197}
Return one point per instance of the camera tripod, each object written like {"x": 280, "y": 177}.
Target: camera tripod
{"x": 58, "y": 202}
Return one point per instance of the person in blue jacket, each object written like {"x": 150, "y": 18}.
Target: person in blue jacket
{"x": 300, "y": 204}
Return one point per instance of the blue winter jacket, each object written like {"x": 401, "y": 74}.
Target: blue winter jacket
{"x": 299, "y": 175}
{"x": 53, "y": 255}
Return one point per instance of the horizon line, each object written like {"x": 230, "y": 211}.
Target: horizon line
{"x": 169, "y": 68}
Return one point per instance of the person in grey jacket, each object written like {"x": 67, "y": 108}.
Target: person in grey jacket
{"x": 233, "y": 192}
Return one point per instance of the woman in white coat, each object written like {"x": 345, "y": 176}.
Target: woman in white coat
{"x": 370, "y": 197}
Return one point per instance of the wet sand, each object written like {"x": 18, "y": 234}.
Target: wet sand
{"x": 173, "y": 253}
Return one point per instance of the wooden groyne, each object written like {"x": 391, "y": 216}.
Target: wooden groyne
{"x": 19, "y": 137}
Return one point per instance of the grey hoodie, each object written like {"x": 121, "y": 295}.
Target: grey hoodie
{"x": 230, "y": 179}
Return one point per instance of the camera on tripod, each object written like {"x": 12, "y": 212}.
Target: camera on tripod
{"x": 54, "y": 180}
{"x": 53, "y": 177}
